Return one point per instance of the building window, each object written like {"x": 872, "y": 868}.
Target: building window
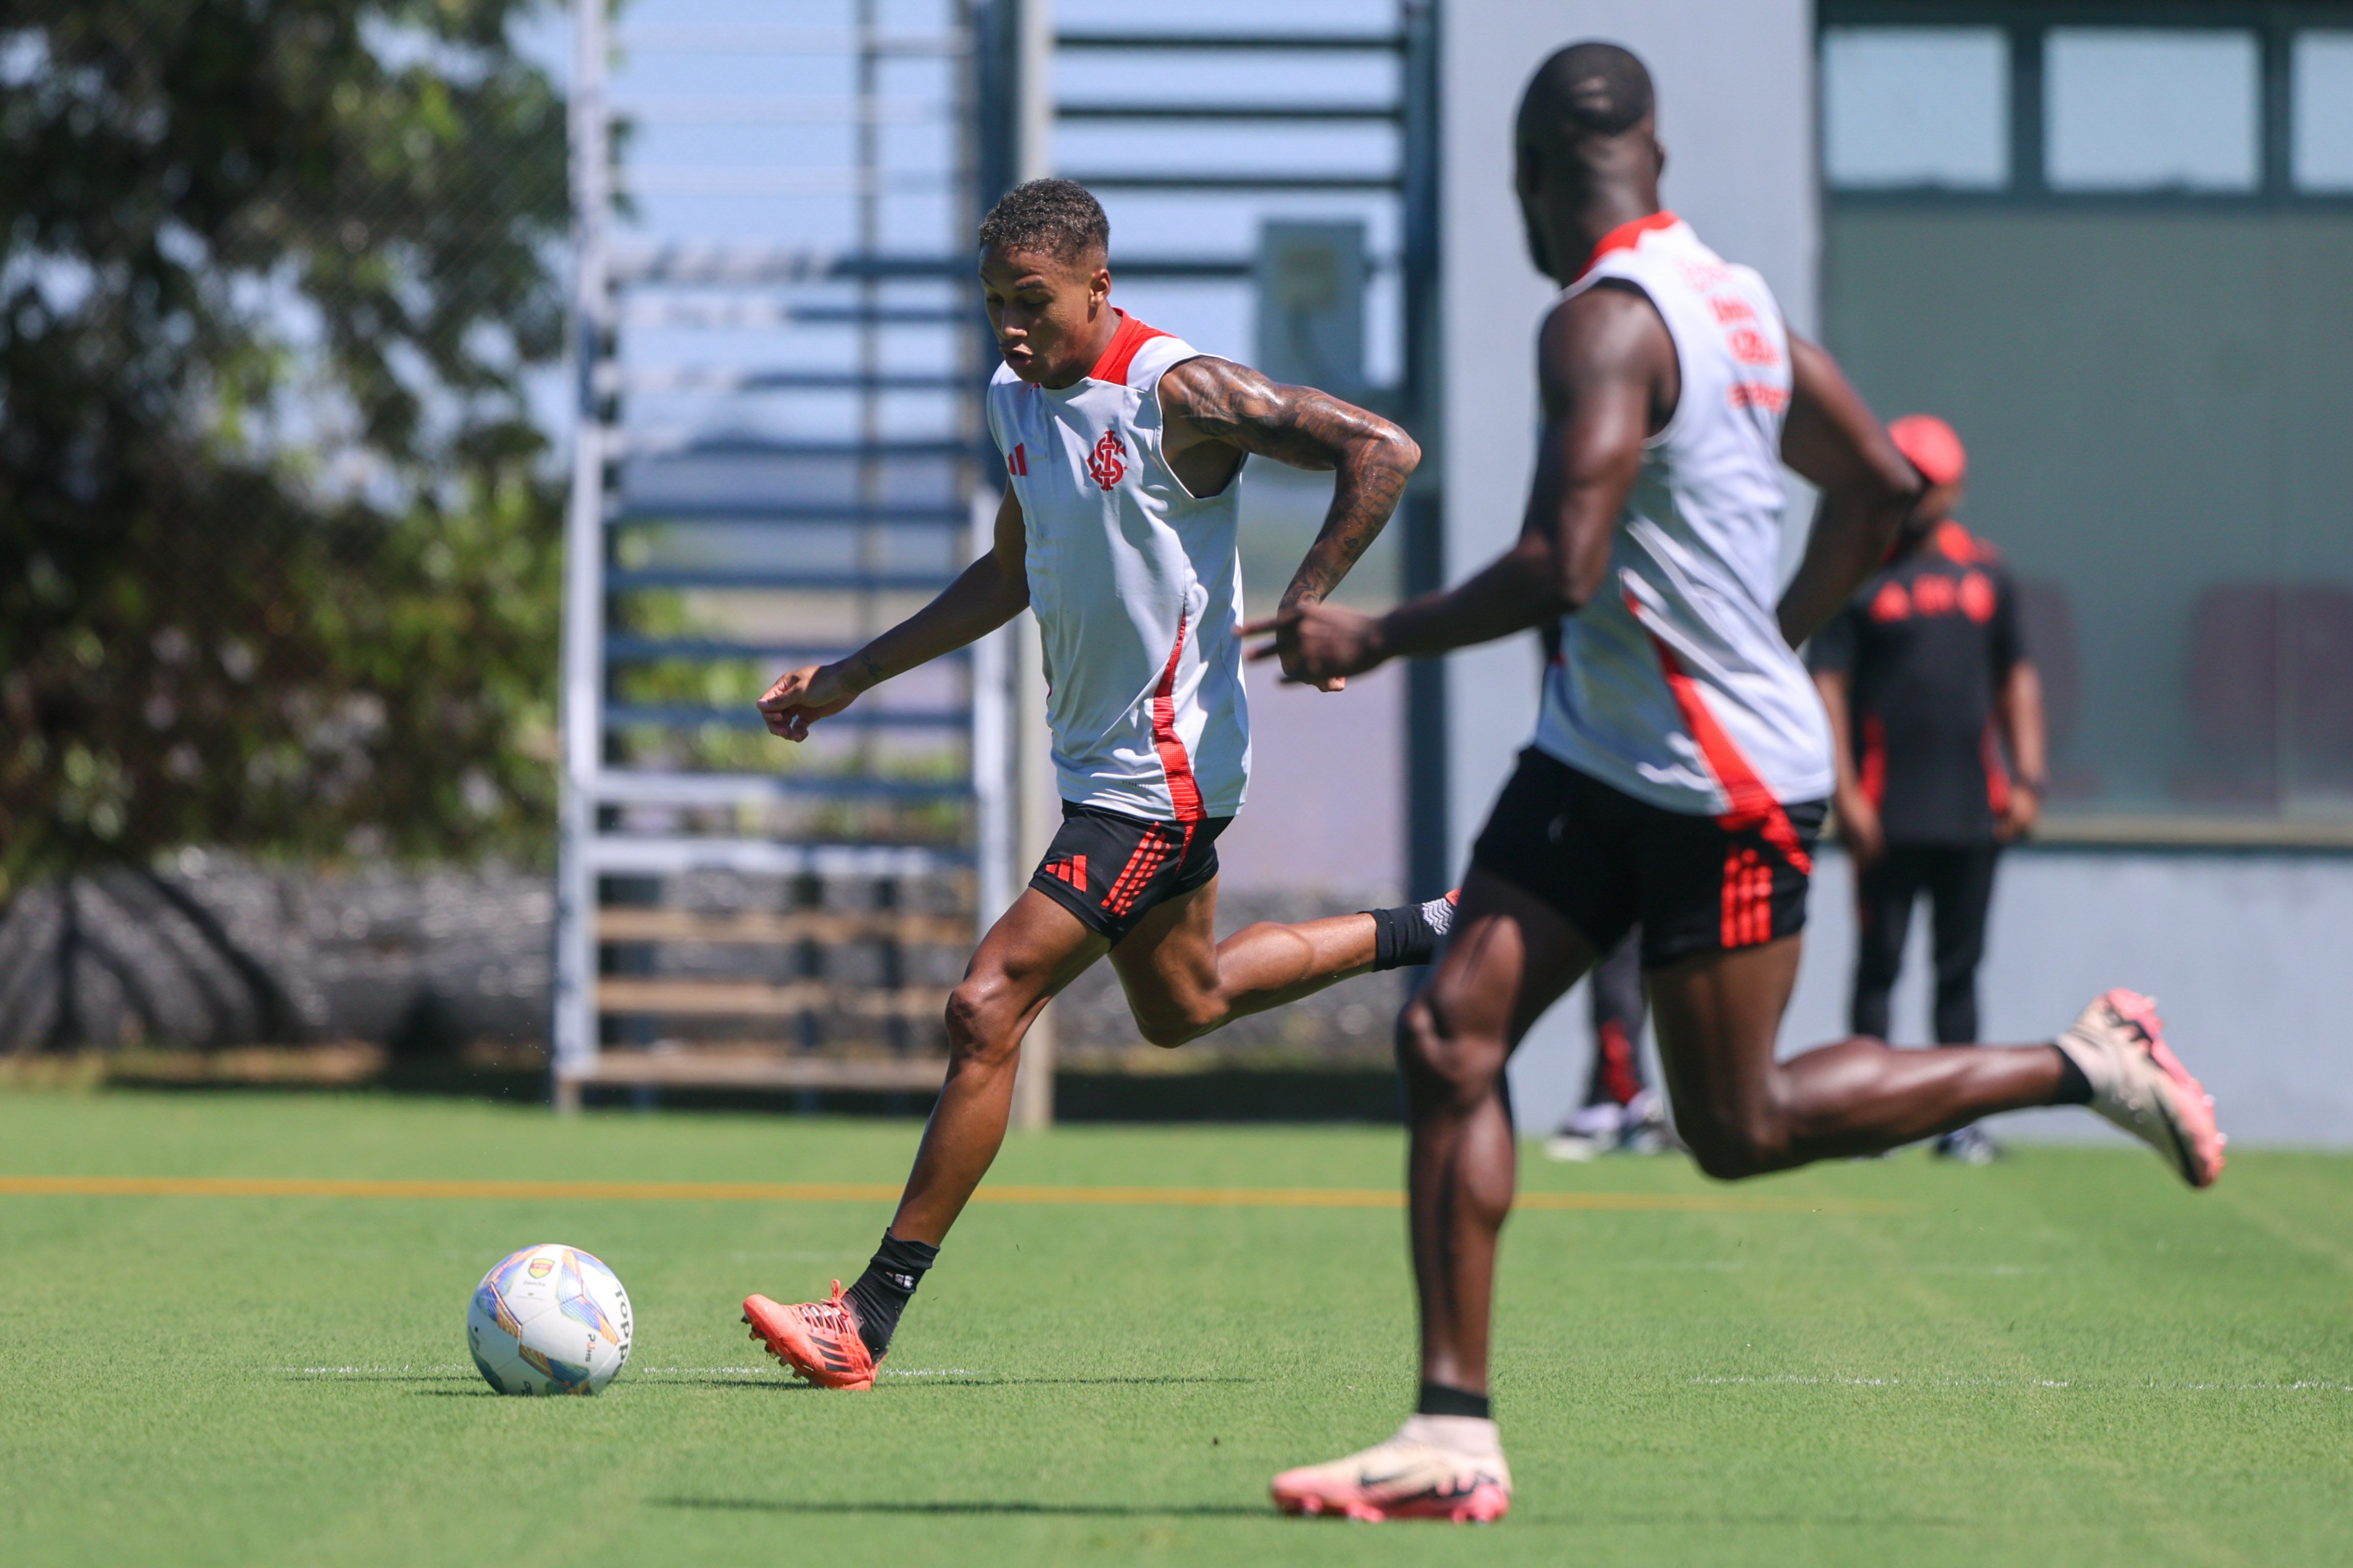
{"x": 2115, "y": 269}
{"x": 2323, "y": 77}
{"x": 1914, "y": 107}
{"x": 2133, "y": 110}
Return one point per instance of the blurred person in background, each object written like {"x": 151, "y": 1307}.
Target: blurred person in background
{"x": 1922, "y": 674}
{"x": 1622, "y": 1113}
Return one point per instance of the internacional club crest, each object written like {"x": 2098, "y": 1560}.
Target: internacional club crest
{"x": 1107, "y": 463}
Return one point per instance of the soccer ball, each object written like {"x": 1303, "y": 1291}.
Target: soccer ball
{"x": 549, "y": 1319}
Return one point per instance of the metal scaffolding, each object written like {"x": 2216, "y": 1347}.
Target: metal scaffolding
{"x": 733, "y": 911}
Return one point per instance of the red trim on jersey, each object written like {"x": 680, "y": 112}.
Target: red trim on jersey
{"x": 1017, "y": 465}
{"x": 1627, "y": 236}
{"x": 1183, "y": 793}
{"x": 1957, "y": 543}
{"x": 1120, "y": 352}
{"x": 1752, "y": 804}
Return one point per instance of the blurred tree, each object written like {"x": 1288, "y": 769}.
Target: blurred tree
{"x": 278, "y": 545}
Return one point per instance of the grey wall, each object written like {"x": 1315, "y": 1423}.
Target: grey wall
{"x": 2155, "y": 404}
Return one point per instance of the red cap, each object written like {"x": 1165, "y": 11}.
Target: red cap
{"x": 1932, "y": 446}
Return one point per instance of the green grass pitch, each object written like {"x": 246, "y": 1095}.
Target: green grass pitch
{"x": 2066, "y": 1359}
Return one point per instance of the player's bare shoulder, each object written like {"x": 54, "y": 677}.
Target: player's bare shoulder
{"x": 1218, "y": 400}
{"x": 1608, "y": 335}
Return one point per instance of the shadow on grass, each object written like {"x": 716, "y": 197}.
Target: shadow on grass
{"x": 482, "y": 1390}
{"x": 437, "y": 1384}
{"x": 1004, "y": 1505}
{"x": 1018, "y": 1508}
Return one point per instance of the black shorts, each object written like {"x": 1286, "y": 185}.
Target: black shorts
{"x": 1608, "y": 862}
{"x": 1111, "y": 869}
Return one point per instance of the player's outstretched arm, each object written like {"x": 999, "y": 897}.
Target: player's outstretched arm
{"x": 986, "y": 595}
{"x": 1607, "y": 372}
{"x": 1209, "y": 400}
{"x": 1866, "y": 487}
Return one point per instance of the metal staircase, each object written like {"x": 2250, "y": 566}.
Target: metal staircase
{"x": 777, "y": 453}
{"x": 1276, "y": 123}
{"x": 779, "y": 450}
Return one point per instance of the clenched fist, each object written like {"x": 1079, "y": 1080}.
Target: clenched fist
{"x": 802, "y": 697}
{"x": 1320, "y": 645}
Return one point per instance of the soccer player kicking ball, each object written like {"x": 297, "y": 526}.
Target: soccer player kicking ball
{"x": 1679, "y": 768}
{"x": 1125, "y": 447}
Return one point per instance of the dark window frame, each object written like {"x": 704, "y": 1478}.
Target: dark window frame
{"x": 2027, "y": 23}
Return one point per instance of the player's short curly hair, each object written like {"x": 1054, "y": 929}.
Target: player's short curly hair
{"x": 1061, "y": 217}
{"x": 1587, "y": 90}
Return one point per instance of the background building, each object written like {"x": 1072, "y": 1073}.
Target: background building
{"x": 2102, "y": 240}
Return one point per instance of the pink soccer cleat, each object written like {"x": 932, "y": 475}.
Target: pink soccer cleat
{"x": 2118, "y": 1043}
{"x": 1437, "y": 1467}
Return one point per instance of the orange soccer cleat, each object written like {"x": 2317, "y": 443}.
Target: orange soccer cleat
{"x": 818, "y": 1340}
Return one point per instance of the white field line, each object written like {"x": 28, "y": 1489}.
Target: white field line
{"x": 930, "y": 1372}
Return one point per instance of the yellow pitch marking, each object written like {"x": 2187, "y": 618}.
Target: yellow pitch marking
{"x": 875, "y": 1191}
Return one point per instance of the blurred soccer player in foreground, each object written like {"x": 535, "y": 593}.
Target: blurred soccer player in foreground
{"x": 1920, "y": 673}
{"x": 1123, "y": 447}
{"x": 1679, "y": 771}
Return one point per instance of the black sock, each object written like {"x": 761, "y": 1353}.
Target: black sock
{"x": 1438, "y": 1399}
{"x": 1401, "y": 936}
{"x": 2074, "y": 1089}
{"x": 883, "y": 1292}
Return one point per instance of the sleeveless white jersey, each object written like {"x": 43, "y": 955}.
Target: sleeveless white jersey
{"x": 1674, "y": 684}
{"x": 1136, "y": 586}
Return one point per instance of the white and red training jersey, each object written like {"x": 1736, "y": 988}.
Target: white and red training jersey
{"x": 1674, "y": 684}
{"x": 1136, "y": 586}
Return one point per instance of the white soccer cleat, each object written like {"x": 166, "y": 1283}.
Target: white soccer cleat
{"x": 2118, "y": 1044}
{"x": 1591, "y": 1131}
{"x": 1437, "y": 1467}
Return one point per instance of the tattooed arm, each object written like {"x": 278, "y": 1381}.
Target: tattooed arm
{"x": 1217, "y": 411}
{"x": 1608, "y": 376}
{"x": 989, "y": 593}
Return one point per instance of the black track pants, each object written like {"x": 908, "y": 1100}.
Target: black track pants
{"x": 1959, "y": 881}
